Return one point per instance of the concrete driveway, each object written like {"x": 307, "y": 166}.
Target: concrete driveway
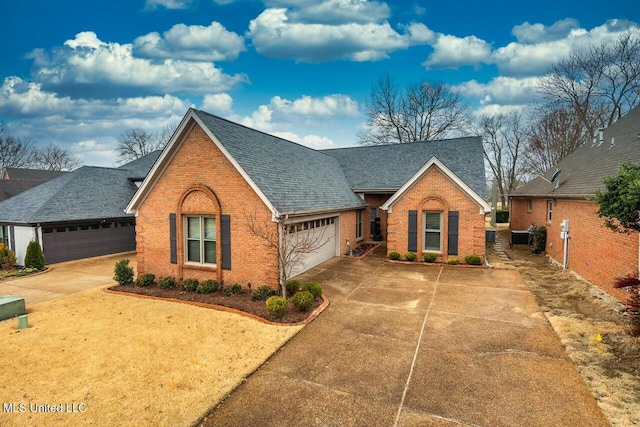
{"x": 416, "y": 345}
{"x": 64, "y": 278}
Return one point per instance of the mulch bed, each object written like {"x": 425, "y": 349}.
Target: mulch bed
{"x": 241, "y": 303}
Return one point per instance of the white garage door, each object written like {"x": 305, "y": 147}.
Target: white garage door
{"x": 319, "y": 232}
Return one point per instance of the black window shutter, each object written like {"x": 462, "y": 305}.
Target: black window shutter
{"x": 172, "y": 238}
{"x": 452, "y": 238}
{"x": 413, "y": 231}
{"x": 225, "y": 223}
{"x": 12, "y": 238}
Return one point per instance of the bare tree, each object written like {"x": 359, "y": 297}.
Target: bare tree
{"x": 421, "y": 112}
{"x": 163, "y": 136}
{"x": 136, "y": 142}
{"x": 289, "y": 241}
{"x": 504, "y": 139}
{"x": 599, "y": 84}
{"x": 54, "y": 158}
{"x": 14, "y": 152}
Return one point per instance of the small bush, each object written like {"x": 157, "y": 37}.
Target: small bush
{"x": 122, "y": 273}
{"x": 453, "y": 261}
{"x": 473, "y": 260}
{"x": 292, "y": 286}
{"x": 540, "y": 237}
{"x": 631, "y": 282}
{"x": 262, "y": 293}
{"x": 303, "y": 300}
{"x": 315, "y": 288}
{"x": 34, "y": 258}
{"x": 394, "y": 255}
{"x": 168, "y": 282}
{"x": 234, "y": 289}
{"x": 410, "y": 256}
{"x": 207, "y": 287}
{"x": 145, "y": 280}
{"x": 7, "y": 257}
{"x": 277, "y": 306}
{"x": 429, "y": 257}
{"x": 502, "y": 217}
{"x": 190, "y": 285}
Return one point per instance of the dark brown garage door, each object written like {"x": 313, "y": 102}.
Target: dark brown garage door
{"x": 69, "y": 242}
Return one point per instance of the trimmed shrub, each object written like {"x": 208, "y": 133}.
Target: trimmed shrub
{"x": 207, "y": 287}
{"x": 145, "y": 280}
{"x": 429, "y": 257}
{"x": 473, "y": 260}
{"x": 7, "y": 257}
{"x": 34, "y": 258}
{"x": 168, "y": 282}
{"x": 276, "y": 306}
{"x": 410, "y": 256}
{"x": 502, "y": 217}
{"x": 540, "y": 238}
{"x": 303, "y": 300}
{"x": 262, "y": 293}
{"x": 122, "y": 273}
{"x": 292, "y": 286}
{"x": 234, "y": 289}
{"x": 394, "y": 255}
{"x": 453, "y": 261}
{"x": 314, "y": 288}
{"x": 190, "y": 285}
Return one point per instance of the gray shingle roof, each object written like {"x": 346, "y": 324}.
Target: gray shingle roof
{"x": 390, "y": 166}
{"x": 582, "y": 171}
{"x": 86, "y": 193}
{"x": 32, "y": 174}
{"x": 11, "y": 187}
{"x": 294, "y": 178}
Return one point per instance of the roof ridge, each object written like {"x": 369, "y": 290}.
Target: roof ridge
{"x": 395, "y": 144}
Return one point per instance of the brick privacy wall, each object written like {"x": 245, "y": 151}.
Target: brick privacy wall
{"x": 376, "y": 200}
{"x": 435, "y": 191}
{"x": 596, "y": 253}
{"x": 218, "y": 189}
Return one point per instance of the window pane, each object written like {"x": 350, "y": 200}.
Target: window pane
{"x": 193, "y": 250}
{"x": 432, "y": 241}
{"x": 433, "y": 221}
{"x": 210, "y": 229}
{"x": 193, "y": 228}
{"x": 210, "y": 252}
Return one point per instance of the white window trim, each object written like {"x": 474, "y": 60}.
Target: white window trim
{"x": 359, "y": 225}
{"x": 202, "y": 239}
{"x": 549, "y": 210}
{"x": 424, "y": 231}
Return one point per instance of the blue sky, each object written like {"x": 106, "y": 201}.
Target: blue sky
{"x": 78, "y": 73}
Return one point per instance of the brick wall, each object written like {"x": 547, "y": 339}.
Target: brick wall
{"x": 435, "y": 191}
{"x": 595, "y": 252}
{"x": 375, "y": 200}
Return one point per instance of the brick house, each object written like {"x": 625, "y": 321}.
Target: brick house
{"x": 215, "y": 178}
{"x": 593, "y": 251}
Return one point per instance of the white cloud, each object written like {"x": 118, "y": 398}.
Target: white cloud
{"x": 312, "y": 141}
{"x": 501, "y": 90}
{"x": 535, "y": 33}
{"x": 217, "y": 103}
{"x": 454, "y": 52}
{"x": 274, "y": 35}
{"x": 88, "y": 66}
{"x": 330, "y": 105}
{"x": 168, "y": 4}
{"x": 191, "y": 42}
{"x": 337, "y": 11}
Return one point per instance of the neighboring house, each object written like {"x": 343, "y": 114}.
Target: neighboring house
{"x": 79, "y": 214}
{"x": 16, "y": 180}
{"x": 594, "y": 252}
{"x": 215, "y": 177}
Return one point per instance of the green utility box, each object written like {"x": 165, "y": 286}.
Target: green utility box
{"x": 11, "y": 306}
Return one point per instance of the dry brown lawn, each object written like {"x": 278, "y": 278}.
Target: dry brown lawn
{"x": 126, "y": 360}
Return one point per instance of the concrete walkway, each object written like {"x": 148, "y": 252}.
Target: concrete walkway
{"x": 416, "y": 345}
{"x": 64, "y": 278}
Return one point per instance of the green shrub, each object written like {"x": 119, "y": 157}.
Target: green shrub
{"x": 168, "y": 282}
{"x": 410, "y": 256}
{"x": 262, "y": 293}
{"x": 34, "y": 258}
{"x": 540, "y": 238}
{"x": 145, "y": 280}
{"x": 453, "y": 261}
{"x": 302, "y": 300}
{"x": 122, "y": 273}
{"x": 234, "y": 289}
{"x": 190, "y": 285}
{"x": 7, "y": 258}
{"x": 292, "y": 286}
{"x": 207, "y": 287}
{"x": 277, "y": 306}
{"x": 473, "y": 260}
{"x": 394, "y": 255}
{"x": 502, "y": 217}
{"x": 429, "y": 257}
{"x": 315, "y": 288}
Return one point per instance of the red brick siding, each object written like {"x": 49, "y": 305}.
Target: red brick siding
{"x": 435, "y": 191}
{"x": 347, "y": 231}
{"x": 595, "y": 252}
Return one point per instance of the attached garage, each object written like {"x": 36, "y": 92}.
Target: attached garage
{"x": 317, "y": 232}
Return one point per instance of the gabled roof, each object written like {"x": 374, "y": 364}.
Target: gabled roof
{"x": 11, "y": 187}
{"x": 87, "y": 193}
{"x": 24, "y": 174}
{"x": 581, "y": 172}
{"x": 290, "y": 178}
